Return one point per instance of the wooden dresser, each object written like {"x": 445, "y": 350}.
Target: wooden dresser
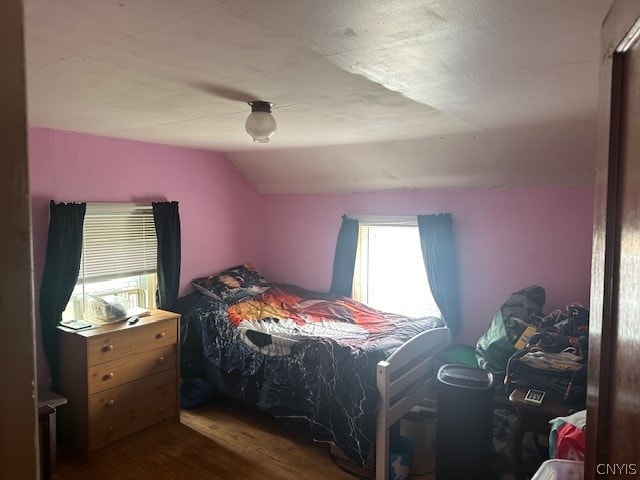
{"x": 118, "y": 379}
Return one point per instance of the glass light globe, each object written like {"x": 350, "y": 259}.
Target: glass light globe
{"x": 261, "y": 126}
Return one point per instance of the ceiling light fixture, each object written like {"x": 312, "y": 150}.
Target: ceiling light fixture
{"x": 260, "y": 123}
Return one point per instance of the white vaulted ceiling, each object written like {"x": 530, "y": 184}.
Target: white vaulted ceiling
{"x": 368, "y": 94}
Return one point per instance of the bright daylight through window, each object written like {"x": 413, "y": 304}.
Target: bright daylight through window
{"x": 390, "y": 273}
{"x": 118, "y": 264}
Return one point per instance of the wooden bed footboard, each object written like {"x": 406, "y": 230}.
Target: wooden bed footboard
{"x": 402, "y": 380}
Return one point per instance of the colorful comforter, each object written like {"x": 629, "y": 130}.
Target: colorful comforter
{"x": 297, "y": 354}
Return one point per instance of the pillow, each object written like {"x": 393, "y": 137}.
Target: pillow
{"x": 233, "y": 284}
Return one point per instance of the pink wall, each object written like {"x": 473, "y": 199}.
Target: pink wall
{"x": 506, "y": 240}
{"x": 220, "y": 210}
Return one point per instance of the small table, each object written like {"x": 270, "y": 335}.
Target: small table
{"x": 531, "y": 419}
{"x": 48, "y": 401}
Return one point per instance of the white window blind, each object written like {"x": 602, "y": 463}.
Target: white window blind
{"x": 119, "y": 240}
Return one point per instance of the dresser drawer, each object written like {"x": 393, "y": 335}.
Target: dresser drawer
{"x": 127, "y": 369}
{"x": 120, "y": 343}
{"x": 120, "y": 411}
{"x": 119, "y": 379}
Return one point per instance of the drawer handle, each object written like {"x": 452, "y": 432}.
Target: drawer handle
{"x": 161, "y": 409}
{"x": 108, "y": 348}
{"x": 108, "y": 376}
{"x": 110, "y": 430}
{"x": 160, "y": 360}
{"x": 160, "y": 335}
{"x": 110, "y": 403}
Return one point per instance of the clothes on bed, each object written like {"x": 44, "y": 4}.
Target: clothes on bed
{"x": 297, "y": 354}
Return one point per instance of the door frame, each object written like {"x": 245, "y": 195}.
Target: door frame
{"x": 18, "y": 416}
{"x": 619, "y": 31}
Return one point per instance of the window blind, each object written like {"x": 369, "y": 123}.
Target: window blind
{"x": 119, "y": 240}
{"x": 387, "y": 220}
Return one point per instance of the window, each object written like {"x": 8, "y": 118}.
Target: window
{"x": 389, "y": 273}
{"x": 119, "y": 259}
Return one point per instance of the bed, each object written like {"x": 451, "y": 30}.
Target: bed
{"x": 349, "y": 370}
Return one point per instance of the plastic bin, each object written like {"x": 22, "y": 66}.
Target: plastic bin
{"x": 560, "y": 470}
{"x": 464, "y": 423}
{"x": 420, "y": 427}
{"x": 400, "y": 457}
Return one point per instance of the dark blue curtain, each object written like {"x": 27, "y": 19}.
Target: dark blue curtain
{"x": 167, "y": 222}
{"x": 64, "y": 248}
{"x": 344, "y": 261}
{"x": 439, "y": 255}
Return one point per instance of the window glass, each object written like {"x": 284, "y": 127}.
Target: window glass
{"x": 390, "y": 273}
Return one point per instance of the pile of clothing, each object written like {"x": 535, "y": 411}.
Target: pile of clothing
{"x": 567, "y": 438}
{"x": 546, "y": 352}
{"x": 555, "y": 357}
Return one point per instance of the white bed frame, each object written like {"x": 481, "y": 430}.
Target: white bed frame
{"x": 402, "y": 380}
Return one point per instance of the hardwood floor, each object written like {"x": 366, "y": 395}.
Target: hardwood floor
{"x": 219, "y": 440}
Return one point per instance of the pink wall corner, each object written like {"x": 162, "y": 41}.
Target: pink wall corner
{"x": 220, "y": 210}
{"x": 506, "y": 240}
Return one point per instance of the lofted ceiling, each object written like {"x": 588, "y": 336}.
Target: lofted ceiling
{"x": 368, "y": 94}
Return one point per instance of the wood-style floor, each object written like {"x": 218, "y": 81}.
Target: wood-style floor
{"x": 216, "y": 441}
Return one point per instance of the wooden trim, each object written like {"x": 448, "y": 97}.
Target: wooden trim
{"x": 604, "y": 260}
{"x": 18, "y": 417}
{"x": 605, "y": 256}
